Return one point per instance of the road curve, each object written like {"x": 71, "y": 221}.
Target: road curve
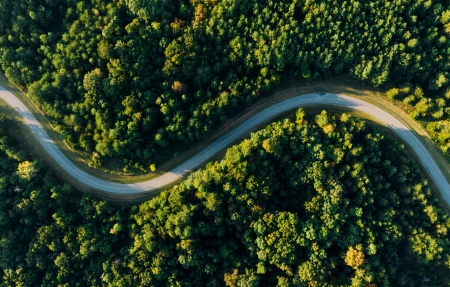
{"x": 194, "y": 162}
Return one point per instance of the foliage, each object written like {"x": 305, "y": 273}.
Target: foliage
{"x": 318, "y": 208}
{"x": 140, "y": 79}
{"x": 297, "y": 205}
{"x": 353, "y": 257}
{"x": 26, "y": 170}
{"x": 50, "y": 234}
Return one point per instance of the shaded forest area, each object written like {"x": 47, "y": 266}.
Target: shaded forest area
{"x": 331, "y": 202}
{"x": 139, "y": 78}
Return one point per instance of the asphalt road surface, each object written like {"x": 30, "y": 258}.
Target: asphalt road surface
{"x": 248, "y": 125}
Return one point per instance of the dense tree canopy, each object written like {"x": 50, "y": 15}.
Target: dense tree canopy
{"x": 329, "y": 203}
{"x": 128, "y": 78}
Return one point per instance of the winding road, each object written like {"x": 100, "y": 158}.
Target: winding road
{"x": 248, "y": 125}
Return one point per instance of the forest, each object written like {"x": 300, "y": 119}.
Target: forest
{"x": 140, "y": 79}
{"x": 322, "y": 200}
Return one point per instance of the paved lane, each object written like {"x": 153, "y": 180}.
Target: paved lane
{"x": 248, "y": 125}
